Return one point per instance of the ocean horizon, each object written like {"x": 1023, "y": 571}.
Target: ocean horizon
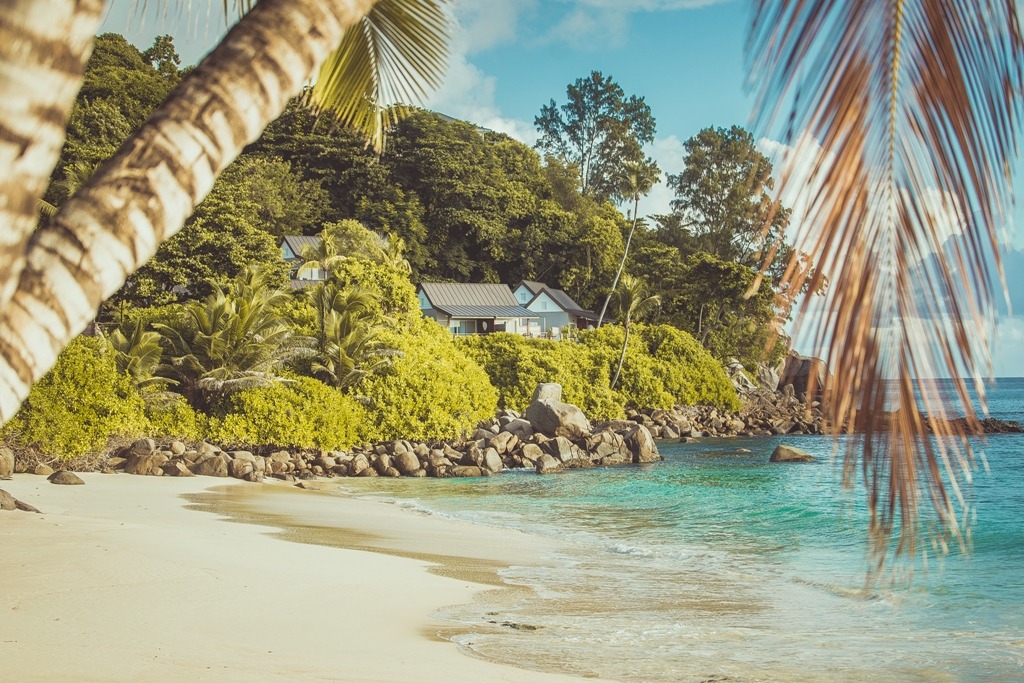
{"x": 717, "y": 565}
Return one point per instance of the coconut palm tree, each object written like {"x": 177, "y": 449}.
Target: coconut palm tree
{"x": 138, "y": 354}
{"x": 52, "y": 284}
{"x": 631, "y": 302}
{"x": 354, "y": 349}
{"x": 904, "y": 119}
{"x": 231, "y": 340}
{"x": 330, "y": 301}
{"x": 637, "y": 179}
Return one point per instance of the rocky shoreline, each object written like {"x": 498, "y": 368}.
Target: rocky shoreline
{"x": 549, "y": 437}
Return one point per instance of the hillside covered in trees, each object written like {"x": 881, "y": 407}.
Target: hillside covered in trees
{"x": 208, "y": 328}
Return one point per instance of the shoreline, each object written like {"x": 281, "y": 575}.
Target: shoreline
{"x": 117, "y": 580}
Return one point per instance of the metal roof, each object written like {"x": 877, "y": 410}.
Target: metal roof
{"x": 467, "y": 300}
{"x": 297, "y": 242}
{"x": 532, "y": 285}
{"x": 568, "y": 305}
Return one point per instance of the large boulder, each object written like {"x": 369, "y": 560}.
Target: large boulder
{"x": 547, "y": 464}
{"x": 547, "y": 391}
{"x": 406, "y": 462}
{"x": 148, "y": 464}
{"x": 641, "y": 444}
{"x": 6, "y": 463}
{"x": 66, "y": 478}
{"x": 807, "y": 375}
{"x": 142, "y": 447}
{"x": 492, "y": 461}
{"x": 553, "y": 418}
{"x": 211, "y": 466}
{"x": 784, "y": 453}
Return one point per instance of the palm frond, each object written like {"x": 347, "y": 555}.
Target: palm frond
{"x": 397, "y": 54}
{"x": 906, "y": 113}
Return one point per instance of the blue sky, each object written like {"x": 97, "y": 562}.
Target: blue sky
{"x": 510, "y": 57}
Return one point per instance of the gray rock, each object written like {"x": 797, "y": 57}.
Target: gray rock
{"x": 547, "y": 464}
{"x": 520, "y": 427}
{"x": 504, "y": 442}
{"x": 176, "y": 468}
{"x": 6, "y": 463}
{"x": 641, "y": 444}
{"x": 784, "y": 453}
{"x": 148, "y": 464}
{"x": 492, "y": 461}
{"x": 211, "y": 466}
{"x": 142, "y": 447}
{"x": 7, "y": 501}
{"x": 558, "y": 419}
{"x": 207, "y": 449}
{"x": 466, "y": 471}
{"x": 178, "y": 448}
{"x": 406, "y": 463}
{"x": 359, "y": 465}
{"x": 65, "y": 478}
{"x": 530, "y": 453}
{"x": 25, "y": 507}
{"x": 240, "y": 468}
{"x": 43, "y": 470}
{"x": 548, "y": 391}
{"x": 559, "y": 448}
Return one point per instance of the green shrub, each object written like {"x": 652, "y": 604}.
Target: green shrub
{"x": 435, "y": 390}
{"x": 663, "y": 366}
{"x": 174, "y": 418}
{"x": 79, "y": 405}
{"x": 516, "y": 365}
{"x": 689, "y": 372}
{"x": 300, "y": 413}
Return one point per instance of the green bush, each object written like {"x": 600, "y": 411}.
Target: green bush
{"x": 516, "y": 365}
{"x": 79, "y": 405}
{"x": 300, "y": 413}
{"x": 435, "y": 390}
{"x": 174, "y": 418}
{"x": 689, "y": 372}
{"x": 663, "y": 366}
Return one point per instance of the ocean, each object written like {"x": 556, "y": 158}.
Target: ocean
{"x": 715, "y": 565}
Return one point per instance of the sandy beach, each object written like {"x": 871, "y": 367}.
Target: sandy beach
{"x": 120, "y": 580}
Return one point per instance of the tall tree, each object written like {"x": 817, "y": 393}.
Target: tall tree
{"x": 598, "y": 129}
{"x": 724, "y": 196}
{"x": 635, "y": 180}
{"x": 632, "y": 301}
{"x": 892, "y": 102}
{"x": 51, "y": 285}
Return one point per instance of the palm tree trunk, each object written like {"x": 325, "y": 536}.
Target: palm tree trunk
{"x": 622, "y": 264}
{"x": 44, "y": 45}
{"x": 622, "y": 357}
{"x": 142, "y": 195}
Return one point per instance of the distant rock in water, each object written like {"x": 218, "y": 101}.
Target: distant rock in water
{"x": 784, "y": 453}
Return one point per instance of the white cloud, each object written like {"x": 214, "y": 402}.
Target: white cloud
{"x": 484, "y": 24}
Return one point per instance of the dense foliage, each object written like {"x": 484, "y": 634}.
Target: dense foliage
{"x": 298, "y": 413}
{"x": 207, "y": 340}
{"x": 435, "y": 390}
{"x": 79, "y": 405}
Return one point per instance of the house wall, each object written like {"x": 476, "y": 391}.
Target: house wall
{"x": 522, "y": 295}
{"x": 551, "y": 314}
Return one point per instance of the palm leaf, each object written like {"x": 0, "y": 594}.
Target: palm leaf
{"x": 906, "y": 112}
{"x": 396, "y": 55}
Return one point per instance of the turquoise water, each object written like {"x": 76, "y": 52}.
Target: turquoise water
{"x": 716, "y": 565}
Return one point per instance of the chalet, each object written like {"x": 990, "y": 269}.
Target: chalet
{"x": 555, "y": 309}
{"x": 474, "y": 308}
{"x": 291, "y": 251}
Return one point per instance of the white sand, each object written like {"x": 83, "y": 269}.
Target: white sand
{"x": 119, "y": 581}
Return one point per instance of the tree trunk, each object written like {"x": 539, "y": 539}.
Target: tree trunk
{"x": 143, "y": 195}
{"x": 604, "y": 309}
{"x": 44, "y": 45}
{"x": 622, "y": 357}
